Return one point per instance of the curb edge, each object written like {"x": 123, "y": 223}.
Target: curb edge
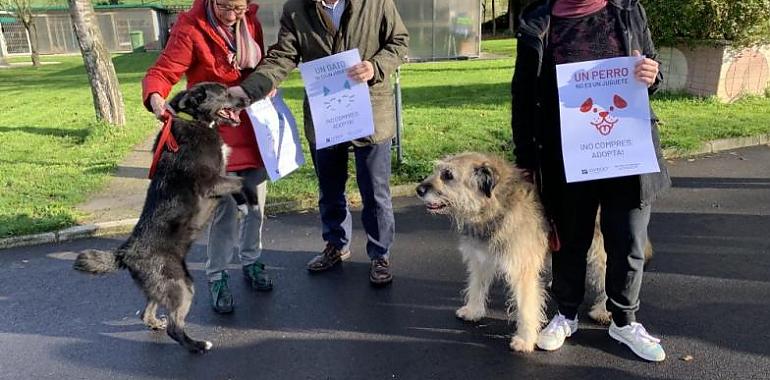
{"x": 123, "y": 226}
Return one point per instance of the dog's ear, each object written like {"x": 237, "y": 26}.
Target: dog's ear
{"x": 486, "y": 178}
{"x": 189, "y": 99}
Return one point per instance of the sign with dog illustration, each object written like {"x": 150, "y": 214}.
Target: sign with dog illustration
{"x": 340, "y": 107}
{"x": 605, "y": 120}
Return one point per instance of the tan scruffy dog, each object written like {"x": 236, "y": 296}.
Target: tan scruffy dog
{"x": 503, "y": 233}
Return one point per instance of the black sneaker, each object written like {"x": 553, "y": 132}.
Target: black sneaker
{"x": 221, "y": 297}
{"x": 330, "y": 257}
{"x": 379, "y": 272}
{"x": 256, "y": 275}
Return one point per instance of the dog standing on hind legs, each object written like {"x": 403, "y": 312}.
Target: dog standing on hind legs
{"x": 180, "y": 199}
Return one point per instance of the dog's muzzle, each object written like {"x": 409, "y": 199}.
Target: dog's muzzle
{"x": 424, "y": 191}
{"x": 232, "y": 115}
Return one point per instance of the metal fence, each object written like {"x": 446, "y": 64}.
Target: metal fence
{"x": 16, "y": 37}
{"x": 55, "y": 34}
{"x": 438, "y": 29}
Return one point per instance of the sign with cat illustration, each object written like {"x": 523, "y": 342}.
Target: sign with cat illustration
{"x": 341, "y": 108}
{"x": 605, "y": 120}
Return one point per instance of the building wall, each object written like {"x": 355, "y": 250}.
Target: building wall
{"x": 438, "y": 29}
{"x": 720, "y": 70}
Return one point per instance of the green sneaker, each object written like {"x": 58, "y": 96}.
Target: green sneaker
{"x": 221, "y": 297}
{"x": 256, "y": 275}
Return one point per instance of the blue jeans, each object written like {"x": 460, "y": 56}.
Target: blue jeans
{"x": 373, "y": 177}
{"x": 225, "y": 236}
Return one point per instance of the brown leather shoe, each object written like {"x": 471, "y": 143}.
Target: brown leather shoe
{"x": 330, "y": 257}
{"x": 379, "y": 272}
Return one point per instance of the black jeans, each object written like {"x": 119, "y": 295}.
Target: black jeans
{"x": 624, "y": 225}
{"x": 373, "y": 178}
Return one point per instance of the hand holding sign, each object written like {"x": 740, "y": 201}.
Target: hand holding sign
{"x": 646, "y": 70}
{"x": 361, "y": 72}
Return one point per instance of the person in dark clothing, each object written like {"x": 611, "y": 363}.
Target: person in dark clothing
{"x": 312, "y": 29}
{"x": 555, "y": 32}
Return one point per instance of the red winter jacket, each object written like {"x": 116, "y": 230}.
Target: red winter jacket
{"x": 196, "y": 50}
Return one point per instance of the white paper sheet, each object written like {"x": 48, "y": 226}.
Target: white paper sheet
{"x": 340, "y": 107}
{"x": 277, "y": 136}
{"x": 605, "y": 120}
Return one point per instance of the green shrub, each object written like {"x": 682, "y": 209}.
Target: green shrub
{"x": 742, "y": 22}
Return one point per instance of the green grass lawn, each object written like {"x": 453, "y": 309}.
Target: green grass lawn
{"x": 503, "y": 46}
{"x": 53, "y": 154}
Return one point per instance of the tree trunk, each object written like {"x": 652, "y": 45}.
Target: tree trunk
{"x": 494, "y": 20}
{"x": 3, "y": 52}
{"x": 108, "y": 101}
{"x": 35, "y": 54}
{"x": 513, "y": 13}
{"x": 483, "y": 12}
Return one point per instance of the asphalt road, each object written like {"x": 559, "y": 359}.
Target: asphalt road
{"x": 706, "y": 294}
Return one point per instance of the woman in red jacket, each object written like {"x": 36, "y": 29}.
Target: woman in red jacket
{"x": 220, "y": 41}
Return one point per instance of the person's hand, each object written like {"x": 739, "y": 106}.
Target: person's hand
{"x": 646, "y": 70}
{"x": 362, "y": 71}
{"x": 158, "y": 105}
{"x": 272, "y": 92}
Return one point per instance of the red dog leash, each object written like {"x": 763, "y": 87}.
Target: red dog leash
{"x": 166, "y": 140}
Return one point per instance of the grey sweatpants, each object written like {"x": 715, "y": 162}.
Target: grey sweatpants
{"x": 225, "y": 236}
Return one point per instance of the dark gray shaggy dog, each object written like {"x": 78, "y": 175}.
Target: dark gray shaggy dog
{"x": 180, "y": 199}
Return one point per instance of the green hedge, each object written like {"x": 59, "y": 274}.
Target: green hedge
{"x": 742, "y": 22}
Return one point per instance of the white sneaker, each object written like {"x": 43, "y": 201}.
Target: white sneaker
{"x": 639, "y": 341}
{"x": 552, "y": 336}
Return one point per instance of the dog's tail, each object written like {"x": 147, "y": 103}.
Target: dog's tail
{"x": 94, "y": 261}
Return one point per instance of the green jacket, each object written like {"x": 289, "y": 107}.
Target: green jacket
{"x": 307, "y": 33}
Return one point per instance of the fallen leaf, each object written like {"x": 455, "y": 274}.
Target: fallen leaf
{"x": 686, "y": 358}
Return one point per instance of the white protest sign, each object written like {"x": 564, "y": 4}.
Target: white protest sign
{"x": 340, "y": 107}
{"x": 277, "y": 136}
{"x": 605, "y": 120}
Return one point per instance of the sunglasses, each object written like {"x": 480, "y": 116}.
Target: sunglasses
{"x": 228, "y": 8}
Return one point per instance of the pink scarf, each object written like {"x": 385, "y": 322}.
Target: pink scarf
{"x": 244, "y": 52}
{"x": 576, "y": 8}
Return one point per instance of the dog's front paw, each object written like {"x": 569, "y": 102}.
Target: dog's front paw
{"x": 520, "y": 345}
{"x": 600, "y": 314}
{"x": 467, "y": 313}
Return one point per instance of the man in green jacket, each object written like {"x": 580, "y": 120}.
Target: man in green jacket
{"x": 312, "y": 29}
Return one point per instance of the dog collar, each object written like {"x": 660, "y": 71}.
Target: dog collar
{"x": 184, "y": 116}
